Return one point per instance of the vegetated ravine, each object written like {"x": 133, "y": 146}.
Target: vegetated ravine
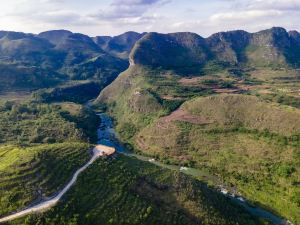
{"x": 106, "y": 136}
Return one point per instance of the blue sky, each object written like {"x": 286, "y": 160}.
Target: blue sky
{"x": 112, "y": 17}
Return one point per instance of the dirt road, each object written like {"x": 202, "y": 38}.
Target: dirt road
{"x": 99, "y": 150}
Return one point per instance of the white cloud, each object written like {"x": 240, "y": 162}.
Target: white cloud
{"x": 244, "y": 15}
{"x": 130, "y": 11}
{"x": 282, "y": 5}
{"x": 110, "y": 17}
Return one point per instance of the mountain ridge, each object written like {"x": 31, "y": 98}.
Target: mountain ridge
{"x": 185, "y": 49}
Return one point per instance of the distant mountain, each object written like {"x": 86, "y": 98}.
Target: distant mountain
{"x": 14, "y": 77}
{"x": 102, "y": 40}
{"x": 178, "y": 50}
{"x": 77, "y": 56}
{"x": 229, "y": 46}
{"x": 270, "y": 47}
{"x": 56, "y": 54}
{"x": 55, "y": 36}
{"x": 120, "y": 45}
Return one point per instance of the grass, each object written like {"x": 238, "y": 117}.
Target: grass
{"x": 29, "y": 174}
{"x": 74, "y": 91}
{"x": 263, "y": 166}
{"x": 248, "y": 111}
{"x": 264, "y": 169}
{"x": 251, "y": 142}
{"x": 136, "y": 97}
{"x": 127, "y": 191}
{"x": 25, "y": 123}
{"x": 42, "y": 145}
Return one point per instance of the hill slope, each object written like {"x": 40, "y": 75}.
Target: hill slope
{"x": 188, "y": 52}
{"x": 127, "y": 191}
{"x": 120, "y": 45}
{"x": 54, "y": 56}
{"x": 31, "y": 174}
{"x": 251, "y": 144}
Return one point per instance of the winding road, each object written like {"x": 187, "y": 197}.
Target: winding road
{"x": 106, "y": 138}
{"x": 99, "y": 150}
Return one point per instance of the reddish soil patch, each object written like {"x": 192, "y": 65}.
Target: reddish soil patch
{"x": 141, "y": 143}
{"x": 168, "y": 97}
{"x": 181, "y": 115}
{"x": 227, "y": 90}
{"x": 189, "y": 81}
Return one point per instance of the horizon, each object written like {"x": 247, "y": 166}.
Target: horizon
{"x": 113, "y": 17}
{"x": 221, "y": 31}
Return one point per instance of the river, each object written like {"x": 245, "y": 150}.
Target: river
{"x": 107, "y": 136}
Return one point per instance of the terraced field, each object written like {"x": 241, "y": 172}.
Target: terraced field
{"x": 127, "y": 191}
{"x": 30, "y": 174}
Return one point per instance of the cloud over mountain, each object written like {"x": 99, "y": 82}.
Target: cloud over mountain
{"x": 129, "y": 11}
{"x": 117, "y": 16}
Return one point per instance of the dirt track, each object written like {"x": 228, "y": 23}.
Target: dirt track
{"x": 99, "y": 150}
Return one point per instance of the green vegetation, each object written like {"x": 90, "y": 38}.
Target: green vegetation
{"x": 127, "y": 191}
{"x": 30, "y": 62}
{"x": 251, "y": 143}
{"x": 74, "y": 91}
{"x": 246, "y": 111}
{"x": 227, "y": 105}
{"x": 240, "y": 143}
{"x": 25, "y": 123}
{"x": 42, "y": 145}
{"x": 189, "y": 54}
{"x": 30, "y": 174}
{"x": 283, "y": 99}
{"x": 141, "y": 95}
{"x": 16, "y": 77}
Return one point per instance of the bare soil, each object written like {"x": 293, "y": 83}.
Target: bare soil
{"x": 181, "y": 115}
{"x": 169, "y": 97}
{"x": 190, "y": 81}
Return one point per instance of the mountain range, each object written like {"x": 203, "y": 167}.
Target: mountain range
{"x": 274, "y": 46}
{"x": 52, "y": 57}
{"x": 219, "y": 117}
{"x": 228, "y": 104}
{"x": 60, "y": 56}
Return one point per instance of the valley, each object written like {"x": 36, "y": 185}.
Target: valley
{"x": 207, "y": 130}
{"x": 237, "y": 121}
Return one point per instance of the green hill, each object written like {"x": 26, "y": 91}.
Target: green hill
{"x": 127, "y": 191}
{"x": 226, "y": 105}
{"x": 120, "y": 45}
{"x": 40, "y": 148}
{"x": 15, "y": 77}
{"x": 30, "y": 174}
{"x": 188, "y": 53}
{"x": 181, "y": 51}
{"x": 74, "y": 91}
{"x": 250, "y": 143}
{"x": 36, "y": 61}
{"x": 227, "y": 111}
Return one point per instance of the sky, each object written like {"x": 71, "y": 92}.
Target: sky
{"x": 113, "y": 17}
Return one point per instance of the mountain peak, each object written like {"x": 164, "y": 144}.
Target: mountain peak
{"x": 55, "y": 36}
{"x": 12, "y": 35}
{"x": 120, "y": 45}
{"x": 185, "y": 49}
